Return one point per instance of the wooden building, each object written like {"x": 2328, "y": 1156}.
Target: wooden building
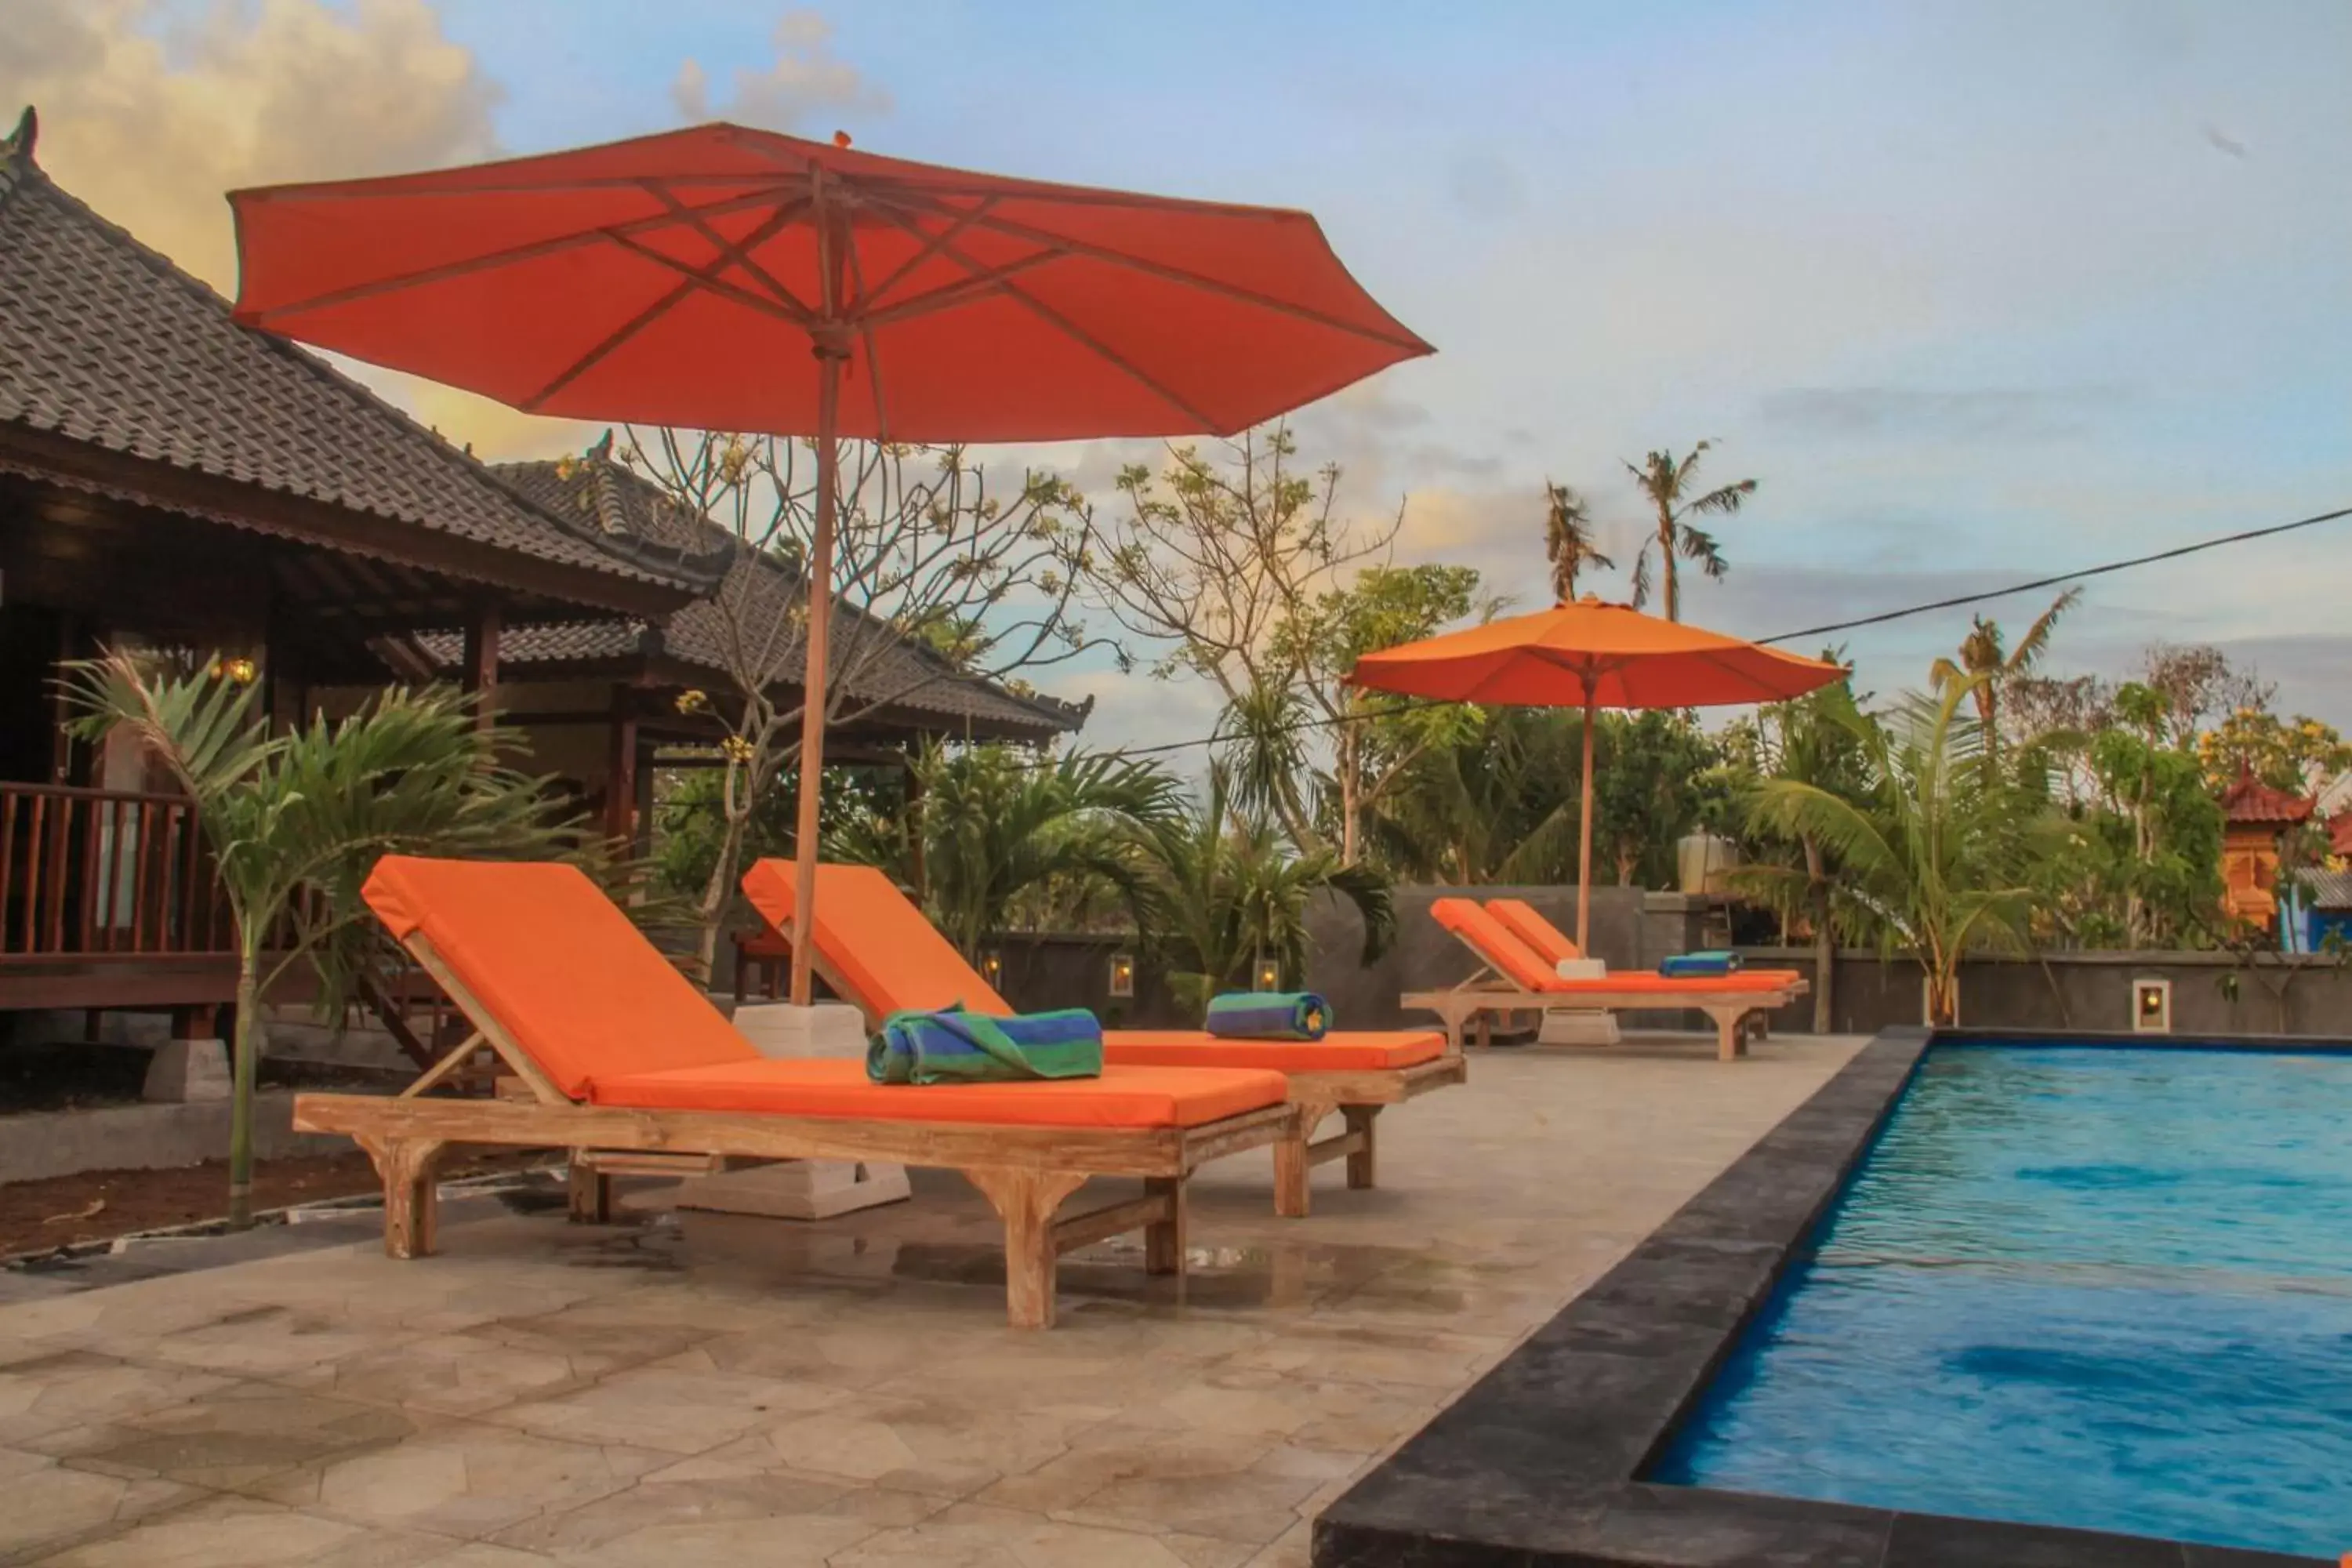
{"x": 170, "y": 479}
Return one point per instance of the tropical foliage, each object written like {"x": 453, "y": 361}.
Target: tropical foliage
{"x": 1670, "y": 486}
{"x": 296, "y": 821}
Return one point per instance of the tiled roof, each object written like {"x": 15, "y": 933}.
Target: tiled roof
{"x": 2251, "y": 801}
{"x": 105, "y": 342}
{"x": 2326, "y": 889}
{"x": 760, "y": 591}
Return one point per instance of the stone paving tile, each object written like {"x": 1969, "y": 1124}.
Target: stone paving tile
{"x": 973, "y": 1536}
{"x": 53, "y": 1507}
{"x": 76, "y": 1387}
{"x": 228, "y": 1438}
{"x": 673, "y": 1409}
{"x": 460, "y": 1479}
{"x": 846, "y": 1396}
{"x": 238, "y": 1532}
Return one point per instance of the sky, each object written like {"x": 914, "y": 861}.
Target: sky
{"x": 1978, "y": 292}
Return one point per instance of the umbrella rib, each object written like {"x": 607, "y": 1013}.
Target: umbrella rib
{"x": 1036, "y": 235}
{"x": 612, "y": 340}
{"x": 740, "y": 255}
{"x": 873, "y": 348}
{"x": 718, "y": 286}
{"x": 1053, "y": 318}
{"x": 930, "y": 248}
{"x": 531, "y": 251}
{"x": 949, "y": 295}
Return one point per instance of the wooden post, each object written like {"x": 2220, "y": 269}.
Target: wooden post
{"x": 1164, "y": 1239}
{"x": 1293, "y": 1171}
{"x": 1025, "y": 1201}
{"x": 480, "y": 673}
{"x": 590, "y": 1192}
{"x": 1364, "y": 1170}
{"x": 621, "y": 773}
{"x": 411, "y": 1196}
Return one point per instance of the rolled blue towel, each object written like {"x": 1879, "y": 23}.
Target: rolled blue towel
{"x": 953, "y": 1045}
{"x": 1268, "y": 1015}
{"x": 1695, "y": 965}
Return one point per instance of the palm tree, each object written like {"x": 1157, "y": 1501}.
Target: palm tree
{"x": 1669, "y": 485}
{"x": 1568, "y": 543}
{"x": 1814, "y": 740}
{"x": 1227, "y": 892}
{"x": 1264, "y": 732}
{"x": 1931, "y": 846}
{"x": 1991, "y": 663}
{"x": 999, "y": 826}
{"x": 296, "y": 821}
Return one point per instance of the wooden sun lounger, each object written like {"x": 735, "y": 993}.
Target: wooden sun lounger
{"x": 1513, "y": 978}
{"x": 1025, "y": 1169}
{"x": 874, "y": 950}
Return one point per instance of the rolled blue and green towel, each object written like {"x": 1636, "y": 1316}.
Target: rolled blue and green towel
{"x": 1268, "y": 1015}
{"x": 953, "y": 1045}
{"x": 1698, "y": 965}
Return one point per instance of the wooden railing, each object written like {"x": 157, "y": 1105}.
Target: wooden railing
{"x": 94, "y": 874}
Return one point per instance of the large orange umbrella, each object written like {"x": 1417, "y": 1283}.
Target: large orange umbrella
{"x": 735, "y": 280}
{"x": 1591, "y": 656}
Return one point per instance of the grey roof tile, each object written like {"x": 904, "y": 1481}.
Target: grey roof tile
{"x": 104, "y": 341}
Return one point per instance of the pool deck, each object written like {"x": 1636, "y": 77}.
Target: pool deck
{"x": 761, "y": 1392}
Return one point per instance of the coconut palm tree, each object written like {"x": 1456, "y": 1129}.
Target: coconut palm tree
{"x": 1568, "y": 543}
{"x": 1670, "y": 488}
{"x": 1932, "y": 846}
{"x": 296, "y": 821}
{"x": 1985, "y": 652}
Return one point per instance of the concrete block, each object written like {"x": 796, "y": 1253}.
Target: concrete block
{"x": 184, "y": 1071}
{"x": 1578, "y": 1026}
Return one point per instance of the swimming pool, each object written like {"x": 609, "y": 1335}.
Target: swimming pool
{"x": 2101, "y": 1287}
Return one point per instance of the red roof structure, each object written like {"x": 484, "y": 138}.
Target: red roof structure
{"x": 2250, "y": 802}
{"x": 2339, "y": 833}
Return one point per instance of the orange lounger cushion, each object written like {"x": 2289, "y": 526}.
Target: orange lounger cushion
{"x": 1357, "y": 1052}
{"x": 1524, "y": 967}
{"x": 1520, "y": 918}
{"x": 559, "y": 966}
{"x": 873, "y": 936}
{"x": 1124, "y": 1097}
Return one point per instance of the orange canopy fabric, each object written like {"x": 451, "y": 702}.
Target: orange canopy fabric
{"x": 1526, "y": 968}
{"x": 1124, "y": 1097}
{"x": 1364, "y": 1050}
{"x": 1606, "y": 655}
{"x": 677, "y": 279}
{"x": 559, "y": 966}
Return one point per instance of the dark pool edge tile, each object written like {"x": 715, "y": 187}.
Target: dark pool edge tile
{"x": 1535, "y": 1465}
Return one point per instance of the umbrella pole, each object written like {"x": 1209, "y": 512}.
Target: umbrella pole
{"x": 1584, "y": 842}
{"x": 812, "y": 685}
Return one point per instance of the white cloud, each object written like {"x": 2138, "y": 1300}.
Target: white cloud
{"x": 805, "y": 78}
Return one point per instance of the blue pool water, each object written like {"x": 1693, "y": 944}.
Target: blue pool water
{"x": 2085, "y": 1286}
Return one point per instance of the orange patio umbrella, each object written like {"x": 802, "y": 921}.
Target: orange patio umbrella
{"x": 727, "y": 278}
{"x": 1591, "y": 656}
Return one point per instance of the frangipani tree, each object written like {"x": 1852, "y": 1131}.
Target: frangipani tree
{"x": 296, "y": 821}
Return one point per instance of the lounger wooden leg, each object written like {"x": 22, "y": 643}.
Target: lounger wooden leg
{"x": 1295, "y": 1165}
{"x": 1363, "y": 1167}
{"x": 411, "y": 1199}
{"x": 1026, "y": 1202}
{"x": 1164, "y": 1239}
{"x": 591, "y": 1193}
{"x": 1730, "y": 1034}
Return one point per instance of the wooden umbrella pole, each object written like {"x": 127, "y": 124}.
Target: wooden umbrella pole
{"x": 813, "y": 688}
{"x": 1584, "y": 838}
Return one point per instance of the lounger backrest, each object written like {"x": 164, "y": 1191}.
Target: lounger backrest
{"x": 1513, "y": 959}
{"x": 873, "y": 938}
{"x": 557, "y": 966}
{"x": 1521, "y": 919}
